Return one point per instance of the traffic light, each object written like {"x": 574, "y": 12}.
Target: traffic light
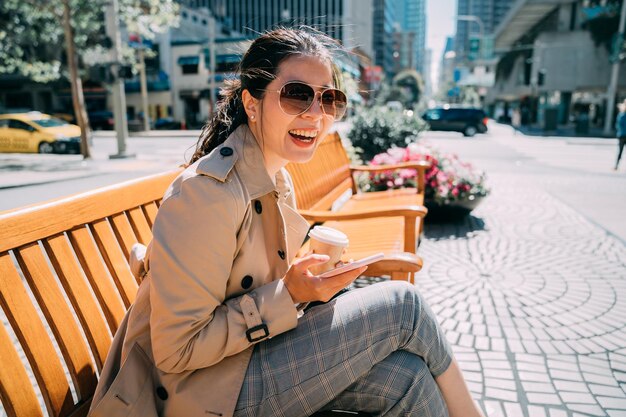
{"x": 474, "y": 48}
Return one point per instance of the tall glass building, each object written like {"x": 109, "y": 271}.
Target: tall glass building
{"x": 251, "y": 17}
{"x": 384, "y": 15}
{"x": 412, "y": 18}
{"x": 490, "y": 12}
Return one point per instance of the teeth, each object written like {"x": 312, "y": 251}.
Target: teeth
{"x": 305, "y": 133}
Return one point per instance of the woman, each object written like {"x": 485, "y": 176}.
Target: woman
{"x": 214, "y": 330}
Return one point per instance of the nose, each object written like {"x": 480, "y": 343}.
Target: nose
{"x": 315, "y": 111}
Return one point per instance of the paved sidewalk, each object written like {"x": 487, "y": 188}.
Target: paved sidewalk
{"x": 533, "y": 297}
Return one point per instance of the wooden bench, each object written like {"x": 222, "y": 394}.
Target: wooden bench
{"x": 65, "y": 283}
{"x": 65, "y": 280}
{"x": 388, "y": 221}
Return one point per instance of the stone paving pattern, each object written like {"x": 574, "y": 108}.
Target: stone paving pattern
{"x": 533, "y": 298}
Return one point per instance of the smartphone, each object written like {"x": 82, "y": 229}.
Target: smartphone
{"x": 353, "y": 265}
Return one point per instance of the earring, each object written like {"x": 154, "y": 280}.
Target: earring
{"x": 252, "y": 117}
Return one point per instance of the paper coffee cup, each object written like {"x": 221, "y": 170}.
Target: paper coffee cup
{"x": 327, "y": 241}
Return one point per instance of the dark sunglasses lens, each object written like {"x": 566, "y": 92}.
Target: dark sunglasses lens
{"x": 296, "y": 98}
{"x": 334, "y": 103}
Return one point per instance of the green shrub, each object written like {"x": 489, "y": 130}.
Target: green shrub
{"x": 376, "y": 129}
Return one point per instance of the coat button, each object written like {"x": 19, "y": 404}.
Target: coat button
{"x": 161, "y": 393}
{"x": 281, "y": 254}
{"x": 246, "y": 282}
{"x": 258, "y": 206}
{"x": 226, "y": 151}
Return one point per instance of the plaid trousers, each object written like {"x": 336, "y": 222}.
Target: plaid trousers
{"x": 375, "y": 350}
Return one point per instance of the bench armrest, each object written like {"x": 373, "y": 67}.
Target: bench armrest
{"x": 402, "y": 165}
{"x": 419, "y": 166}
{"x": 401, "y": 262}
{"x": 410, "y": 214}
{"x": 392, "y": 211}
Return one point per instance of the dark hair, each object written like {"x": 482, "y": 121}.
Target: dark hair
{"x": 258, "y": 67}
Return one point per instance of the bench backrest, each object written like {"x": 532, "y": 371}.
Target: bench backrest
{"x": 73, "y": 249}
{"x": 323, "y": 179}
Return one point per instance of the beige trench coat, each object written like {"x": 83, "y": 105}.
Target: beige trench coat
{"x": 223, "y": 238}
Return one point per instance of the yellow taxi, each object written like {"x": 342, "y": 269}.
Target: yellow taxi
{"x": 37, "y": 132}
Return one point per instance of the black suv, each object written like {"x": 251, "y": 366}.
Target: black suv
{"x": 457, "y": 119}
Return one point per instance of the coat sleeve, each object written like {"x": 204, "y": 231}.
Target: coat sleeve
{"x": 193, "y": 248}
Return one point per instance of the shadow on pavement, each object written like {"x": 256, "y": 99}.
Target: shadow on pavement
{"x": 439, "y": 228}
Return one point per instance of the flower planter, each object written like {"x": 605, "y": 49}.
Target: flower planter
{"x": 453, "y": 211}
{"x": 446, "y": 180}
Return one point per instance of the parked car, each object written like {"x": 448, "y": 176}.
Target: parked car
{"x": 468, "y": 121}
{"x": 37, "y": 132}
{"x": 68, "y": 117}
{"x": 167, "y": 123}
{"x": 98, "y": 119}
{"x": 101, "y": 120}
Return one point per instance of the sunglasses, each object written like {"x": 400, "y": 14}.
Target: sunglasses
{"x": 297, "y": 98}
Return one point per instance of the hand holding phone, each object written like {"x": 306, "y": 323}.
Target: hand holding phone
{"x": 353, "y": 265}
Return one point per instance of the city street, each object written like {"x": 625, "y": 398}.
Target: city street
{"x": 530, "y": 288}
{"x": 54, "y": 176}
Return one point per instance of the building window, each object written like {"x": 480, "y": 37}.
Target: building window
{"x": 189, "y": 64}
{"x": 190, "y": 69}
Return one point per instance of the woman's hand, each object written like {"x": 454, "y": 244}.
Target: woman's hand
{"x": 304, "y": 287}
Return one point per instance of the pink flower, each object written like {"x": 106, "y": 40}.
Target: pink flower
{"x": 407, "y": 173}
{"x": 396, "y": 154}
{"x": 447, "y": 179}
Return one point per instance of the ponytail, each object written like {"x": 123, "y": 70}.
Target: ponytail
{"x": 228, "y": 116}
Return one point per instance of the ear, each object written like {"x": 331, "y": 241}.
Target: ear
{"x": 250, "y": 104}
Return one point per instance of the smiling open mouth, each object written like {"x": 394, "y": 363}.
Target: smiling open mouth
{"x": 304, "y": 135}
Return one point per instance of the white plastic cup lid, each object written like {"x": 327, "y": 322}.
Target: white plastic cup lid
{"x": 329, "y": 235}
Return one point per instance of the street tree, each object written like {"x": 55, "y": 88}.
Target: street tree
{"x": 410, "y": 80}
{"x": 33, "y": 44}
{"x": 387, "y": 93}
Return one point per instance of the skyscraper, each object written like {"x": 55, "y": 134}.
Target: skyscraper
{"x": 412, "y": 18}
{"x": 399, "y": 34}
{"x": 251, "y": 17}
{"x": 490, "y": 13}
{"x": 349, "y": 21}
{"x": 384, "y": 16}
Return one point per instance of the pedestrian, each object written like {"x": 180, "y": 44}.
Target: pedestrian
{"x": 620, "y": 125}
{"x": 218, "y": 326}
{"x": 516, "y": 120}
